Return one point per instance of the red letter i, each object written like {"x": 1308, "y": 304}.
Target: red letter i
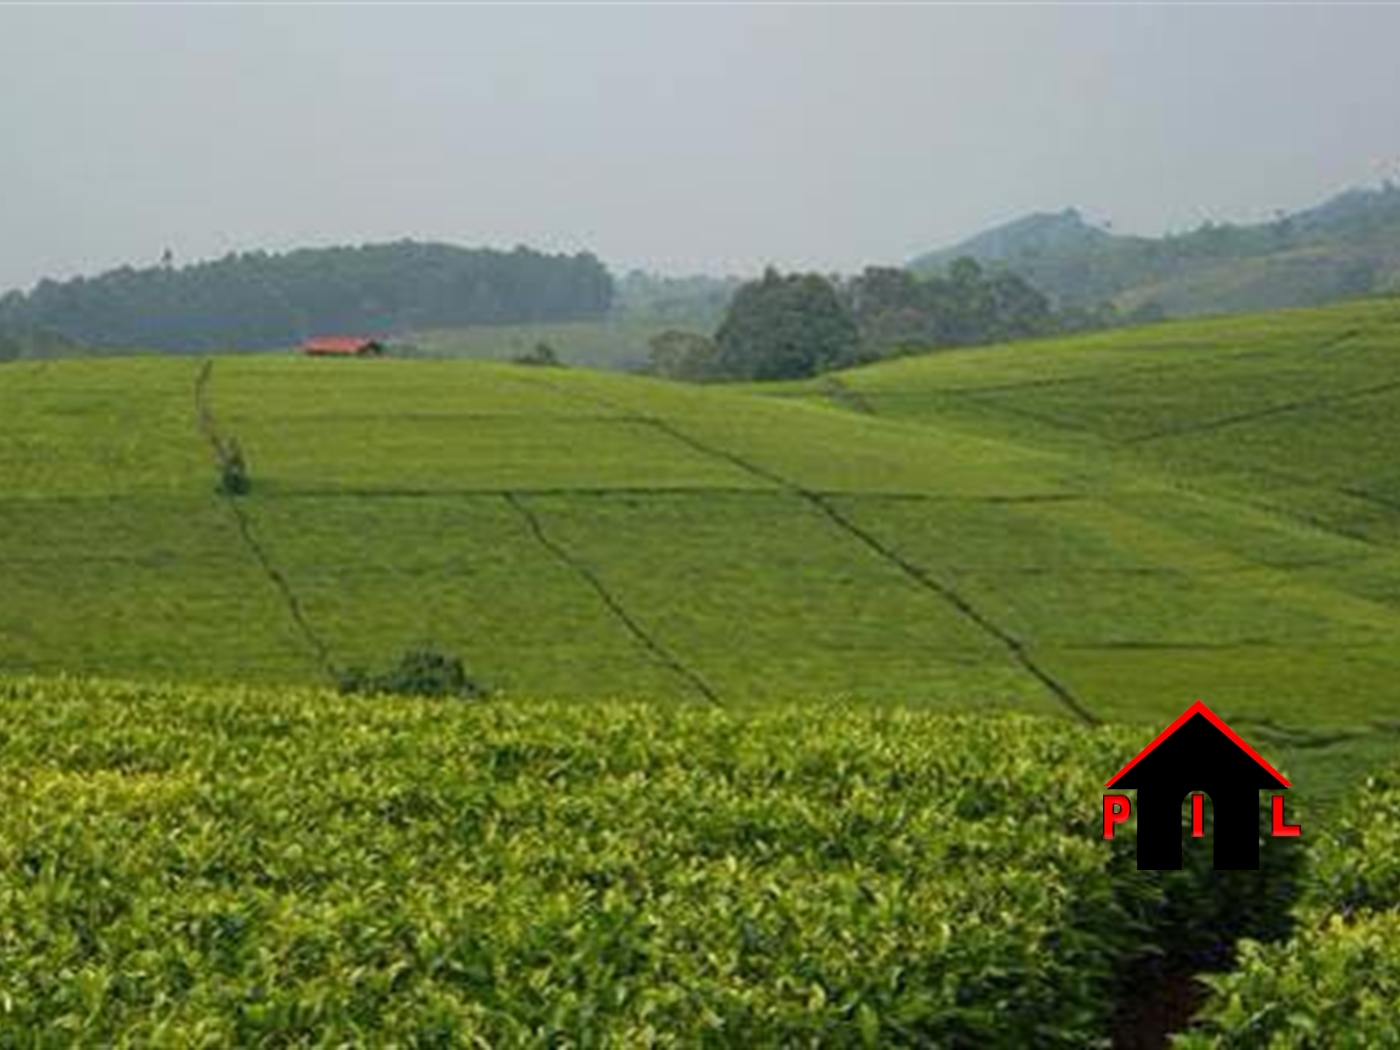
{"x": 1198, "y": 816}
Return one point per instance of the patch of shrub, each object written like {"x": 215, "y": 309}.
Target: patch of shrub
{"x": 234, "y": 479}
{"x": 541, "y": 356}
{"x": 419, "y": 672}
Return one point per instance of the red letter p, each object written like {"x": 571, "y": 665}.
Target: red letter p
{"x": 1116, "y": 809}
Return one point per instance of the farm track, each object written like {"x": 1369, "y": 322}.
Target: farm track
{"x": 208, "y": 426}
{"x": 1014, "y": 647}
{"x": 562, "y": 554}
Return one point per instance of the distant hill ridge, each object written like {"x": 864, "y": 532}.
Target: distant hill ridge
{"x": 1345, "y": 247}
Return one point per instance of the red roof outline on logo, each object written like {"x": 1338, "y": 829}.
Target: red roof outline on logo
{"x": 1199, "y": 708}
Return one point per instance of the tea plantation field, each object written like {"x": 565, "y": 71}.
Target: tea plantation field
{"x": 239, "y": 867}
{"x": 1098, "y": 529}
{"x": 802, "y": 696}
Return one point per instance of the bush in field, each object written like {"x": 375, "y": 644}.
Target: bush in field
{"x": 542, "y": 355}
{"x": 234, "y": 479}
{"x": 419, "y": 672}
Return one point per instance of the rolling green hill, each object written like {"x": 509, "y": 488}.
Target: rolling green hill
{"x": 1105, "y": 528}
{"x": 1344, "y": 247}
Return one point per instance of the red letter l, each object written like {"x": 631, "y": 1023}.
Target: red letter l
{"x": 1280, "y": 828}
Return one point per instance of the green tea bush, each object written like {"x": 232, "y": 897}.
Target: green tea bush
{"x": 1331, "y": 986}
{"x": 1358, "y": 860}
{"x": 232, "y": 867}
{"x": 1337, "y": 981}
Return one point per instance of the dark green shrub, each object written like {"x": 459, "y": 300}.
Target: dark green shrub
{"x": 419, "y": 672}
{"x": 234, "y": 479}
{"x": 542, "y": 356}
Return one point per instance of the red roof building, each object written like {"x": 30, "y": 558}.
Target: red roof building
{"x": 342, "y": 346}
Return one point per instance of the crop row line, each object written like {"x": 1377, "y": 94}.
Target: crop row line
{"x": 1298, "y": 405}
{"x": 1013, "y": 645}
{"x": 611, "y": 601}
{"x": 1160, "y": 368}
{"x": 208, "y": 426}
{"x": 1176, "y": 480}
{"x": 659, "y": 491}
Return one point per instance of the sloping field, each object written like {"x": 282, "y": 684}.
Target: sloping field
{"x": 1253, "y": 561}
{"x": 1106, "y": 528}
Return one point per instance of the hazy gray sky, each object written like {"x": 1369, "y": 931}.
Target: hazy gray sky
{"x": 680, "y": 138}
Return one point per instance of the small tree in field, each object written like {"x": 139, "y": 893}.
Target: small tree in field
{"x": 233, "y": 470}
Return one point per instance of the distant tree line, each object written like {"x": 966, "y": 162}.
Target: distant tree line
{"x": 695, "y": 301}
{"x": 787, "y": 326}
{"x": 23, "y": 343}
{"x": 258, "y": 300}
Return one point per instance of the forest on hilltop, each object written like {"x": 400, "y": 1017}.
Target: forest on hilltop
{"x": 260, "y": 300}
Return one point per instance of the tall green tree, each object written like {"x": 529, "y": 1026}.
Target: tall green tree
{"x": 896, "y": 309}
{"x": 786, "y": 327}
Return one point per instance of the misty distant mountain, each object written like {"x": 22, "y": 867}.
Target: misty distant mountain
{"x": 1345, "y": 247}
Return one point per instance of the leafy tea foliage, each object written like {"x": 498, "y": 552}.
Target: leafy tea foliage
{"x": 184, "y": 866}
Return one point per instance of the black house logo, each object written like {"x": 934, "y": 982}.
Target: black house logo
{"x": 1197, "y": 753}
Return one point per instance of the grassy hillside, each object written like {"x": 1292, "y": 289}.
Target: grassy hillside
{"x": 1233, "y": 532}
{"x": 1104, "y": 528}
